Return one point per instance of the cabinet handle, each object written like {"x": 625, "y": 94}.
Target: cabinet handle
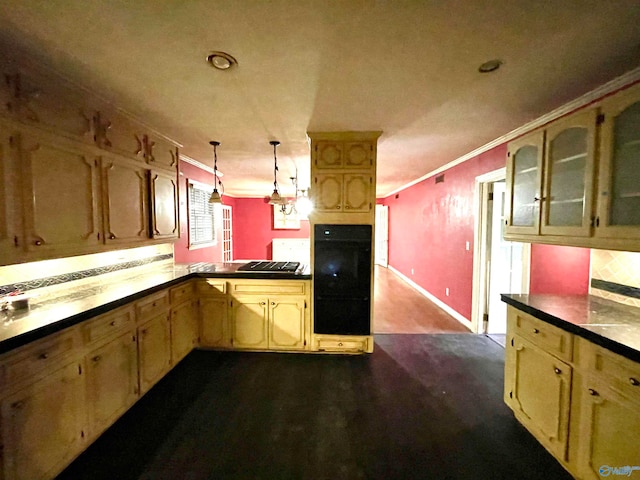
{"x": 338, "y": 207}
{"x": 557, "y": 370}
{"x": 97, "y": 358}
{"x": 263, "y": 303}
{"x": 112, "y": 237}
{"x": 536, "y": 331}
{"x": 37, "y": 243}
{"x": 634, "y": 381}
{"x": 339, "y": 344}
{"x": 347, "y": 207}
{"x": 593, "y": 393}
{"x": 538, "y": 199}
{"x": 17, "y": 405}
{"x": 113, "y": 324}
{"x": 43, "y": 356}
{"x": 273, "y": 303}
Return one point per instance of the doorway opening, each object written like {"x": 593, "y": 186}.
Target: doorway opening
{"x": 381, "y": 253}
{"x": 500, "y": 266}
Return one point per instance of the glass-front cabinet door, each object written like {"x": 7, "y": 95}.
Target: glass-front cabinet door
{"x": 568, "y": 176}
{"x": 619, "y": 181}
{"x": 524, "y": 174}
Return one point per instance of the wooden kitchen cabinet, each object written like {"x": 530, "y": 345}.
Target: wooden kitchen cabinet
{"x": 154, "y": 350}
{"x": 249, "y": 322}
{"x": 125, "y": 203}
{"x": 270, "y": 315}
{"x": 619, "y": 179}
{"x": 538, "y": 390}
{"x": 10, "y": 211}
{"x": 60, "y": 196}
{"x": 164, "y": 205}
{"x": 550, "y": 179}
{"x": 287, "y": 323}
{"x": 184, "y": 330}
{"x": 349, "y": 193}
{"x": 111, "y": 381}
{"x": 215, "y": 330}
{"x": 42, "y": 425}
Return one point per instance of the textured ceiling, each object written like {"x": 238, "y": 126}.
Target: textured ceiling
{"x": 408, "y": 68}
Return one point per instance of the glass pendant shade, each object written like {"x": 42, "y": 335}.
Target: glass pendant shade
{"x": 215, "y": 197}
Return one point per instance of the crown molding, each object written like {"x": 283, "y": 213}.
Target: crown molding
{"x": 618, "y": 83}
{"x": 200, "y": 165}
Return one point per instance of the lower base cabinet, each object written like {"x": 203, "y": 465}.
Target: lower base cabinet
{"x": 184, "y": 330}
{"x": 539, "y": 392}
{"x": 214, "y": 330}
{"x": 43, "y": 425}
{"x": 112, "y": 381}
{"x": 586, "y": 410}
{"x": 154, "y": 350}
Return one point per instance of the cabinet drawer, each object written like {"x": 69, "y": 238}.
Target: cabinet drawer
{"x": 107, "y": 324}
{"x": 342, "y": 345}
{"x": 181, "y": 293}
{"x": 39, "y": 356}
{"x": 277, "y": 287}
{"x": 551, "y": 339}
{"x": 619, "y": 373}
{"x": 211, "y": 287}
{"x": 152, "y": 305}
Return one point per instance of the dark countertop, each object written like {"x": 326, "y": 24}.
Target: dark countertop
{"x": 610, "y": 324}
{"x": 51, "y": 313}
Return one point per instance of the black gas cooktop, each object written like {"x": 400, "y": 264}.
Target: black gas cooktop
{"x": 271, "y": 267}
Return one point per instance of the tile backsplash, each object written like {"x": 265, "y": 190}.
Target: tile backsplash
{"x": 29, "y": 276}
{"x": 616, "y": 276}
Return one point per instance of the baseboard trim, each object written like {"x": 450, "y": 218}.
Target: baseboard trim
{"x": 460, "y": 318}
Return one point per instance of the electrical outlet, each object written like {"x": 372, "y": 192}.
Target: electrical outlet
{"x": 467, "y": 246}
{"x": 446, "y": 291}
{"x": 412, "y": 271}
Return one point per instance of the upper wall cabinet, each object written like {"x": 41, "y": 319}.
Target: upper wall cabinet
{"x": 77, "y": 175}
{"x": 554, "y": 195}
{"x": 619, "y": 181}
{"x": 60, "y": 195}
{"x": 550, "y": 175}
{"x": 343, "y": 174}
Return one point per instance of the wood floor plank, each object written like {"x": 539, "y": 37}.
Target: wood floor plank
{"x": 419, "y": 407}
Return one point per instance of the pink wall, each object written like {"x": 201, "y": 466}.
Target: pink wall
{"x": 429, "y": 225}
{"x": 558, "y": 269}
{"x": 181, "y": 251}
{"x": 253, "y": 229}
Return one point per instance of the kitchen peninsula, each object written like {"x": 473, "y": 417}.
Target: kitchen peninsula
{"x": 96, "y": 349}
{"x": 572, "y": 378}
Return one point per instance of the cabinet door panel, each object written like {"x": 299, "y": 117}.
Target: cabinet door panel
{"x": 161, "y": 153}
{"x": 124, "y": 202}
{"x": 164, "y": 198}
{"x": 328, "y": 154}
{"x": 541, "y": 394}
{"x": 524, "y": 176}
{"x": 184, "y": 330}
{"x": 619, "y": 192}
{"x": 357, "y": 193}
{"x": 327, "y": 194}
{"x": 569, "y": 166}
{"x": 112, "y": 381}
{"x": 60, "y": 196}
{"x": 249, "y": 323}
{"x": 154, "y": 350}
{"x": 358, "y": 155}
{"x": 286, "y": 324}
{"x": 213, "y": 322}
{"x": 10, "y": 212}
{"x": 42, "y": 426}
{"x": 605, "y": 419}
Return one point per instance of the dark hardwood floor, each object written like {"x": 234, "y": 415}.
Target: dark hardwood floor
{"x": 418, "y": 407}
{"x": 400, "y": 308}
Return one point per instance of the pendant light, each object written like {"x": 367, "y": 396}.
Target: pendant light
{"x": 215, "y": 196}
{"x": 275, "y": 198}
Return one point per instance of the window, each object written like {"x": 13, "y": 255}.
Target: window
{"x": 202, "y": 216}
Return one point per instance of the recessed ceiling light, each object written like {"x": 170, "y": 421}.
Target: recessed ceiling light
{"x": 490, "y": 66}
{"x": 221, "y": 60}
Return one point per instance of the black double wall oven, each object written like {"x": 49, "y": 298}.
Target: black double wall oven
{"x": 342, "y": 279}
